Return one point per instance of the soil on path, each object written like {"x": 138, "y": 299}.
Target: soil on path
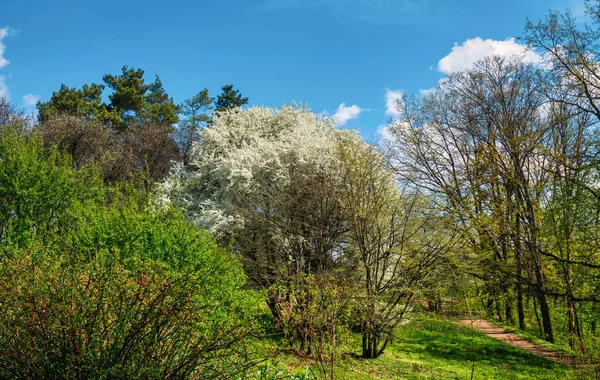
{"x": 496, "y": 332}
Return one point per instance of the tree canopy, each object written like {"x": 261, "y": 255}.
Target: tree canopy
{"x": 229, "y": 98}
{"x": 132, "y": 100}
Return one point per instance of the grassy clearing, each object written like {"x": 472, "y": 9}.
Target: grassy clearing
{"x": 430, "y": 347}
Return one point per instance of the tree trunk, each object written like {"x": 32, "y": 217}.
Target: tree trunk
{"x": 543, "y": 300}
{"x": 498, "y": 313}
{"x": 537, "y": 315}
{"x": 545, "y": 310}
{"x": 520, "y": 306}
{"x": 508, "y": 311}
{"x": 533, "y": 248}
{"x": 519, "y": 285}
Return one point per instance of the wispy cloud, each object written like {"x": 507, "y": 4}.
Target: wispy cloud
{"x": 3, "y": 88}
{"x": 384, "y": 133}
{"x": 379, "y": 12}
{"x": 345, "y": 113}
{"x": 3, "y": 33}
{"x": 426, "y": 91}
{"x": 392, "y": 101}
{"x": 31, "y": 100}
{"x": 463, "y": 56}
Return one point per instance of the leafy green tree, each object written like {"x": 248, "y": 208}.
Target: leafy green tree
{"x": 477, "y": 141}
{"x": 132, "y": 100}
{"x": 229, "y": 98}
{"x": 572, "y": 52}
{"x": 196, "y": 109}
{"x": 571, "y": 49}
{"x": 398, "y": 238}
{"x": 85, "y": 103}
{"x": 37, "y": 188}
{"x": 135, "y": 100}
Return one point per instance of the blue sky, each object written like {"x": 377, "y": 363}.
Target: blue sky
{"x": 348, "y": 58}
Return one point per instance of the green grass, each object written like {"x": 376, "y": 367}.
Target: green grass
{"x": 431, "y": 347}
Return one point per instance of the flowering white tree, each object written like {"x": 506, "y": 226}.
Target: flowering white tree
{"x": 301, "y": 197}
{"x": 268, "y": 178}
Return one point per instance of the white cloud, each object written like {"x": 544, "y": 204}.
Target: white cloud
{"x": 426, "y": 91}
{"x": 463, "y": 57}
{"x": 393, "y": 99}
{"x": 3, "y": 88}
{"x": 384, "y": 133}
{"x": 391, "y": 103}
{"x": 31, "y": 100}
{"x": 345, "y": 113}
{"x": 3, "y": 33}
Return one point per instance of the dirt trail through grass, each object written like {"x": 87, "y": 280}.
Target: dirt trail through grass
{"x": 496, "y": 332}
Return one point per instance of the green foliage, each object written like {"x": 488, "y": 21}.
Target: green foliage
{"x": 265, "y": 372}
{"x": 399, "y": 239}
{"x": 37, "y": 188}
{"x": 229, "y": 98}
{"x": 311, "y": 310}
{"x": 196, "y": 109}
{"x": 84, "y": 103}
{"x": 64, "y": 318}
{"x": 96, "y": 283}
{"x": 128, "y": 229}
{"x": 432, "y": 347}
{"x": 132, "y": 101}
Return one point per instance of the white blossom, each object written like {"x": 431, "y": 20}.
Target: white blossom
{"x": 244, "y": 151}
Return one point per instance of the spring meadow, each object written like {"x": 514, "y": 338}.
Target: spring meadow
{"x": 192, "y": 191}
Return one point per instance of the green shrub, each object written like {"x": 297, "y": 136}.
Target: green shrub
{"x": 312, "y": 312}
{"x": 95, "y": 283}
{"x": 37, "y": 188}
{"x": 63, "y": 318}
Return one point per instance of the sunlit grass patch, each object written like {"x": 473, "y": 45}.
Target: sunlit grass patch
{"x": 430, "y": 347}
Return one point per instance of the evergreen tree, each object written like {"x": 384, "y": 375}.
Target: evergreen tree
{"x": 85, "y": 103}
{"x": 229, "y": 98}
{"x": 134, "y": 100}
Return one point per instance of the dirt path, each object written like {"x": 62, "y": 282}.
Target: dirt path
{"x": 491, "y": 330}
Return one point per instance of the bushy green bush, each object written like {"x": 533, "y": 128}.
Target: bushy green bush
{"x": 96, "y": 283}
{"x": 37, "y": 188}
{"x": 313, "y": 313}
{"x": 61, "y": 318}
